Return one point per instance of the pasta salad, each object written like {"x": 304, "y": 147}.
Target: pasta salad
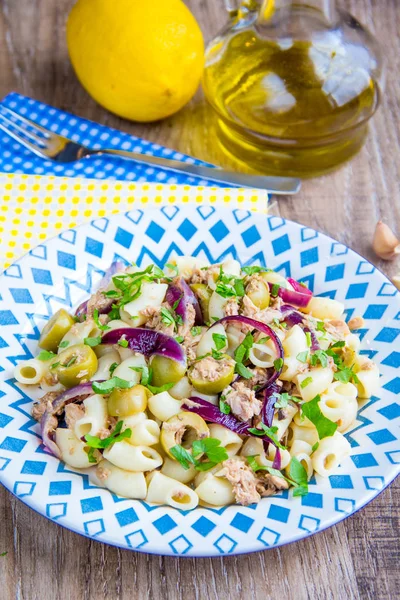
{"x": 211, "y": 384}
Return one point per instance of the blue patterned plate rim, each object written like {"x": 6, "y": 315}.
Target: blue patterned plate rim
{"x": 75, "y": 260}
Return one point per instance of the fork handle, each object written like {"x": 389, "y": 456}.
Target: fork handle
{"x": 273, "y": 185}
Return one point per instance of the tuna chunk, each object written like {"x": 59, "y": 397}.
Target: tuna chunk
{"x": 39, "y": 408}
{"x": 210, "y": 369}
{"x": 242, "y": 400}
{"x": 73, "y": 413}
{"x": 337, "y": 328}
{"x": 154, "y": 319}
{"x": 231, "y": 307}
{"x": 243, "y": 480}
{"x": 267, "y": 484}
{"x": 265, "y": 316}
{"x": 99, "y": 301}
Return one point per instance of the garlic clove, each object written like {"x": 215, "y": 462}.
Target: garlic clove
{"x": 385, "y": 244}
{"x": 396, "y": 281}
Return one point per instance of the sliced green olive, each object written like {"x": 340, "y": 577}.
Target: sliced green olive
{"x": 74, "y": 365}
{"x": 124, "y": 403}
{"x": 55, "y": 329}
{"x": 211, "y": 376}
{"x": 166, "y": 370}
{"x": 258, "y": 292}
{"x": 203, "y": 294}
{"x": 183, "y": 428}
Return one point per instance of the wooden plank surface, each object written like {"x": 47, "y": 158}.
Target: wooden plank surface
{"x": 357, "y": 558}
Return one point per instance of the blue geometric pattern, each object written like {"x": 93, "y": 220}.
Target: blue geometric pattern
{"x": 61, "y": 272}
{"x": 16, "y": 159}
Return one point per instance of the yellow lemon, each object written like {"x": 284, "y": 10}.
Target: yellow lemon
{"x": 140, "y": 59}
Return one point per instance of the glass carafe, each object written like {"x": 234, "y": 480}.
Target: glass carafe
{"x": 293, "y": 84}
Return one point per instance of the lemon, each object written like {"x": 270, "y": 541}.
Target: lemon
{"x": 140, "y": 59}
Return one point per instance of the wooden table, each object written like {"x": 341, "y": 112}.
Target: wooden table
{"x": 358, "y": 558}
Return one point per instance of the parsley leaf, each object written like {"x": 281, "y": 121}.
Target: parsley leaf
{"x": 308, "y": 339}
{"x": 167, "y": 317}
{"x": 3, "y": 553}
{"x": 220, "y": 340}
{"x": 162, "y": 388}
{"x": 242, "y": 351}
{"x": 184, "y": 458}
{"x": 172, "y": 267}
{"x": 339, "y": 344}
{"x": 299, "y": 475}
{"x": 278, "y": 364}
{"x": 243, "y": 371}
{"x": 146, "y": 374}
{"x": 224, "y": 290}
{"x": 275, "y": 290}
{"x": 325, "y": 427}
{"x": 224, "y": 406}
{"x": 212, "y": 448}
{"x": 269, "y": 432}
{"x": 321, "y": 326}
{"x": 116, "y": 436}
{"x": 106, "y": 387}
{"x": 196, "y": 330}
{"x": 92, "y": 341}
{"x": 302, "y": 356}
{"x": 113, "y": 367}
{"x": 306, "y": 382}
{"x": 45, "y": 355}
{"x": 284, "y": 399}
{"x": 179, "y": 339}
{"x": 345, "y": 375}
{"x": 114, "y": 313}
{"x": 253, "y": 270}
{"x": 63, "y": 344}
{"x": 97, "y": 321}
{"x": 239, "y": 287}
{"x": 124, "y": 343}
{"x": 319, "y": 356}
{"x": 315, "y": 447}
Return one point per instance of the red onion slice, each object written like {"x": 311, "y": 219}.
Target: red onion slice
{"x": 59, "y": 403}
{"x": 180, "y": 291}
{"x": 210, "y": 412}
{"x": 296, "y": 297}
{"x": 265, "y": 329}
{"x": 147, "y": 342}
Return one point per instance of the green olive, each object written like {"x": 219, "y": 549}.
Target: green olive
{"x": 166, "y": 370}
{"x": 183, "y": 428}
{"x": 258, "y": 292}
{"x": 124, "y": 403}
{"x": 55, "y": 329}
{"x": 211, "y": 376}
{"x": 203, "y": 294}
{"x": 75, "y": 365}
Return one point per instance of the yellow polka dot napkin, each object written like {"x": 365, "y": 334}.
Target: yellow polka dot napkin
{"x": 34, "y": 208}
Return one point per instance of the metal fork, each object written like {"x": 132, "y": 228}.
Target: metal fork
{"x": 49, "y": 145}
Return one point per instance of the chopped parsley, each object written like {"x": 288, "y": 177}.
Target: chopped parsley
{"x": 275, "y": 290}
{"x": 147, "y": 377}
{"x": 253, "y": 270}
{"x": 92, "y": 341}
{"x": 321, "y": 326}
{"x": 114, "y": 313}
{"x": 306, "y": 382}
{"x": 124, "y": 343}
{"x": 224, "y": 406}
{"x": 95, "y": 442}
{"x": 319, "y": 356}
{"x": 345, "y": 375}
{"x": 299, "y": 475}
{"x": 282, "y": 400}
{"x": 167, "y": 317}
{"x": 224, "y": 290}
{"x": 242, "y": 351}
{"x": 106, "y": 387}
{"x": 3, "y": 553}
{"x": 97, "y": 321}
{"x": 63, "y": 344}
{"x": 325, "y": 427}
{"x": 196, "y": 330}
{"x": 303, "y": 356}
{"x": 339, "y": 344}
{"x": 129, "y": 284}
{"x": 243, "y": 371}
{"x": 209, "y": 447}
{"x": 315, "y": 447}
{"x": 70, "y": 362}
{"x": 269, "y": 432}
{"x": 45, "y": 355}
{"x": 308, "y": 339}
{"x": 113, "y": 367}
{"x": 220, "y": 341}
{"x": 172, "y": 267}
{"x": 179, "y": 339}
{"x": 278, "y": 364}
{"x": 264, "y": 340}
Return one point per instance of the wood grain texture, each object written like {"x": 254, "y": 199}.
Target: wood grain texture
{"x": 357, "y": 558}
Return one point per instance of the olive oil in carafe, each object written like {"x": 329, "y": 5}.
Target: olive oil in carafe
{"x": 290, "y": 107}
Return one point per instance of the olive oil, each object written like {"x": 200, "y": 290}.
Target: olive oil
{"x": 290, "y": 107}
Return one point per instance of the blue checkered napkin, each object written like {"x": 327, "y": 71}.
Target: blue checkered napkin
{"x": 14, "y": 158}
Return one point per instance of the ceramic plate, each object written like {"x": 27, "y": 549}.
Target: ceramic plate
{"x": 63, "y": 271}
